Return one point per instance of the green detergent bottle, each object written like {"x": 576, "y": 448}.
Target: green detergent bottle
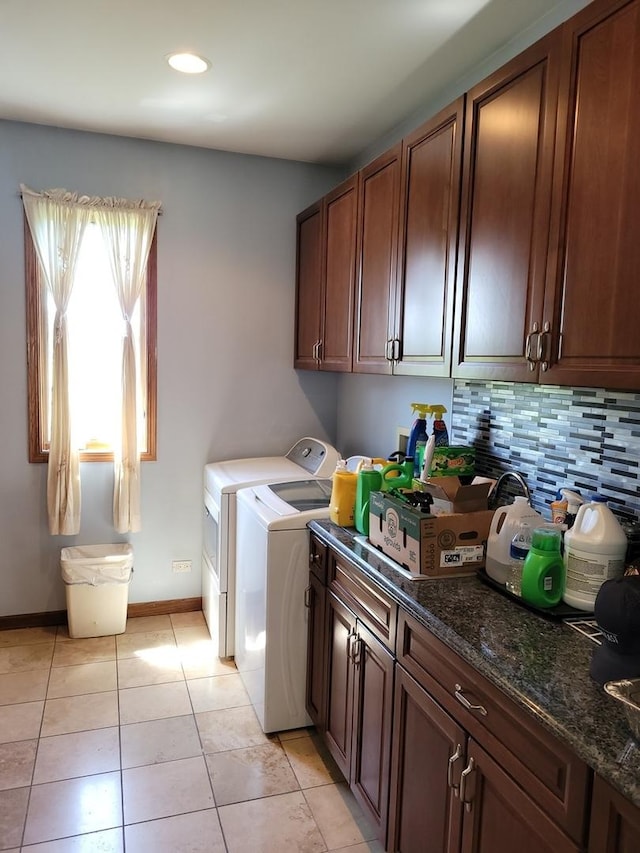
{"x": 543, "y": 569}
{"x": 369, "y": 480}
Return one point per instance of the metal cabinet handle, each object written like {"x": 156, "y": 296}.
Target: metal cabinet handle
{"x": 319, "y": 350}
{"x": 396, "y": 349}
{"x": 351, "y": 637}
{"x": 546, "y": 332}
{"x": 314, "y": 559}
{"x": 453, "y": 760}
{"x": 388, "y": 351}
{"x": 467, "y": 798}
{"x": 307, "y": 597}
{"x": 464, "y": 701}
{"x": 534, "y": 333}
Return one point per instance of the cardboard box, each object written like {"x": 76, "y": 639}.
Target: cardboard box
{"x": 451, "y": 496}
{"x": 436, "y": 546}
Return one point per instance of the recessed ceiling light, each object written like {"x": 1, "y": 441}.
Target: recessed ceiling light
{"x": 188, "y": 63}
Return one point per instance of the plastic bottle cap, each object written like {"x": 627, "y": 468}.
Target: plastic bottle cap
{"x": 545, "y": 539}
{"x": 598, "y": 499}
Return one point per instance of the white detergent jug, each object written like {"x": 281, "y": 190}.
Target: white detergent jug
{"x": 504, "y": 526}
{"x": 594, "y": 551}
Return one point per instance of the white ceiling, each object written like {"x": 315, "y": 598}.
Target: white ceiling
{"x": 312, "y": 80}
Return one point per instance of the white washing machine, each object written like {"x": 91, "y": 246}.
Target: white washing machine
{"x": 272, "y": 574}
{"x": 309, "y": 457}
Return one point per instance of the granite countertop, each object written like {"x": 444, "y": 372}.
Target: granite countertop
{"x": 540, "y": 663}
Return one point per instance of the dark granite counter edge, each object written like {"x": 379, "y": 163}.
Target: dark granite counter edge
{"x": 600, "y": 744}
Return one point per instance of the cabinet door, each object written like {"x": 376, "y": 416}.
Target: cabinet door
{"x": 377, "y": 252}
{"x": 341, "y": 630}
{"x": 341, "y": 212}
{"x": 373, "y": 708}
{"x": 592, "y": 305}
{"x": 430, "y": 208}
{"x": 308, "y": 287}
{"x": 508, "y": 158}
{"x": 615, "y": 822}
{"x": 316, "y": 682}
{"x": 499, "y": 816}
{"x": 428, "y": 755}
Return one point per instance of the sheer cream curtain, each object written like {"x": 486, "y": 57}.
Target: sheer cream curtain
{"x": 127, "y": 229}
{"x": 57, "y": 223}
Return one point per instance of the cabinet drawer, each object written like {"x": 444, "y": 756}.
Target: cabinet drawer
{"x": 318, "y": 553}
{"x": 550, "y": 773}
{"x": 369, "y": 603}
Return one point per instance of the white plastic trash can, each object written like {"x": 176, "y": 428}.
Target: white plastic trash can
{"x": 97, "y": 580}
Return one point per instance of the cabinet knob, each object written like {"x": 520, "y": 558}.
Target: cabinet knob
{"x": 468, "y": 705}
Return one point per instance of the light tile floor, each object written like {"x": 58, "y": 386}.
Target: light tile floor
{"x": 147, "y": 743}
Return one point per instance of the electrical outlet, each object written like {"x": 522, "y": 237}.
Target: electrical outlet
{"x": 181, "y": 565}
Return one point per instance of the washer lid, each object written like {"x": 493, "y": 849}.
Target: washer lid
{"x": 303, "y": 495}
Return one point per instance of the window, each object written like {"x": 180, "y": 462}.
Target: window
{"x": 95, "y": 353}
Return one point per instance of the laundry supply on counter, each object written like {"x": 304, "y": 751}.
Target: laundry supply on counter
{"x": 594, "y": 552}
{"x": 543, "y": 569}
{"x": 504, "y": 525}
{"x": 343, "y": 495}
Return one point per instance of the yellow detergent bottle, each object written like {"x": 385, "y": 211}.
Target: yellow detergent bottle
{"x": 343, "y": 495}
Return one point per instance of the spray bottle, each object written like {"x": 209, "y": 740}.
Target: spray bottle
{"x": 418, "y": 436}
{"x": 439, "y": 426}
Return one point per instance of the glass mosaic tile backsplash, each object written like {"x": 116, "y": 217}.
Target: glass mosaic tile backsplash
{"x": 587, "y": 439}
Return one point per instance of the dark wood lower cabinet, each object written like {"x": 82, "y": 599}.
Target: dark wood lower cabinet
{"x": 615, "y": 822}
{"x": 440, "y": 760}
{"x": 425, "y": 815}
{"x": 359, "y": 709}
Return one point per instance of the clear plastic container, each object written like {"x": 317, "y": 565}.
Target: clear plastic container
{"x": 520, "y": 545}
{"x": 594, "y": 551}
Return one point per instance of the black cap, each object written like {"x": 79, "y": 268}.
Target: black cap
{"x": 617, "y": 612}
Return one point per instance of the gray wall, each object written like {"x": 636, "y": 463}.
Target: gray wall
{"x": 226, "y": 386}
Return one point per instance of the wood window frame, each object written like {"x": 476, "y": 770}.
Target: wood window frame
{"x": 38, "y": 448}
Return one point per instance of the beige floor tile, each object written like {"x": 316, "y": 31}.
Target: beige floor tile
{"x": 271, "y": 825}
{"x": 27, "y": 636}
{"x": 200, "y": 659}
{"x": 193, "y": 619}
{"x": 148, "y": 623}
{"x": 365, "y": 847}
{"x": 233, "y": 728}
{"x": 107, "y": 841}
{"x": 82, "y": 678}
{"x": 13, "y": 810}
{"x": 246, "y": 774}
{"x": 217, "y": 692}
{"x": 197, "y": 832}
{"x": 80, "y": 713}
{"x": 23, "y": 686}
{"x": 21, "y": 721}
{"x": 26, "y": 658}
{"x": 16, "y": 763}
{"x": 339, "y": 817}
{"x": 94, "y": 649}
{"x": 78, "y": 754}
{"x": 293, "y": 734}
{"x": 146, "y": 644}
{"x": 158, "y": 669}
{"x": 311, "y": 762}
{"x": 192, "y": 634}
{"x": 138, "y": 704}
{"x": 159, "y": 740}
{"x": 163, "y": 790}
{"x": 54, "y": 813}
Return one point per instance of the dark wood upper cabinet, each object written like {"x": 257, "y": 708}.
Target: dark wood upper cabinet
{"x": 506, "y": 200}
{"x": 591, "y": 302}
{"x": 308, "y": 286}
{"x": 429, "y": 215}
{"x": 326, "y": 268}
{"x": 377, "y": 254}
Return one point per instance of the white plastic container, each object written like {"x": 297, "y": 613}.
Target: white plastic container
{"x": 594, "y": 551}
{"x": 504, "y": 526}
{"x": 96, "y": 579}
